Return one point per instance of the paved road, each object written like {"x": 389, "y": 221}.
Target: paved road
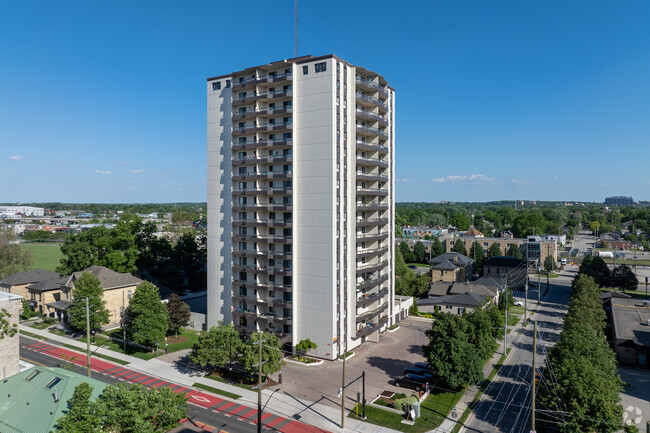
{"x": 505, "y": 404}
{"x": 203, "y": 409}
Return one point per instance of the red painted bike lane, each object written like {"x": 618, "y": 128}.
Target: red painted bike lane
{"x": 194, "y": 397}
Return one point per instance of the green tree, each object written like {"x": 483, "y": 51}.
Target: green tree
{"x": 450, "y": 354}
{"x": 400, "y": 266}
{"x": 146, "y": 316}
{"x": 497, "y": 318}
{"x": 586, "y": 308}
{"x": 436, "y": 248}
{"x": 494, "y": 250}
{"x": 459, "y": 247}
{"x": 82, "y": 415}
{"x": 7, "y": 328}
{"x": 271, "y": 354}
{"x": 406, "y": 252}
{"x": 178, "y": 313}
{"x": 136, "y": 409}
{"x": 421, "y": 285}
{"x": 217, "y": 346}
{"x": 583, "y": 369}
{"x": 460, "y": 221}
{"x": 514, "y": 251}
{"x": 549, "y": 264}
{"x": 88, "y": 286}
{"x": 481, "y": 335}
{"x": 419, "y": 252}
{"x": 13, "y": 258}
{"x": 596, "y": 268}
{"x": 305, "y": 346}
{"x": 479, "y": 257}
{"x": 505, "y": 298}
{"x": 624, "y": 279}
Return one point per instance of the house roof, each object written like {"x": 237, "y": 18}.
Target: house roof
{"x": 505, "y": 262}
{"x": 473, "y": 232}
{"x": 47, "y": 285}
{"x": 444, "y": 288}
{"x": 488, "y": 282}
{"x": 472, "y": 300}
{"x": 631, "y": 320}
{"x": 439, "y": 288}
{"x": 59, "y": 305}
{"x": 445, "y": 265}
{"x": 108, "y": 278}
{"x": 33, "y": 276}
{"x": 29, "y": 405}
{"x": 455, "y": 258}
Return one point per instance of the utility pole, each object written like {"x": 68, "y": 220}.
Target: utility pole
{"x": 505, "y": 329}
{"x": 534, "y": 376}
{"x": 259, "y": 386}
{"x": 539, "y": 285}
{"x": 87, "y": 337}
{"x": 343, "y": 392}
{"x": 363, "y": 387}
{"x": 526, "y": 300}
{"x": 123, "y": 323}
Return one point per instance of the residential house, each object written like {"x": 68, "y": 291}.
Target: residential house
{"x": 34, "y": 400}
{"x": 472, "y": 232}
{"x": 451, "y": 267}
{"x": 631, "y": 329}
{"x": 458, "y": 297}
{"x": 118, "y": 289}
{"x": 18, "y": 283}
{"x": 502, "y": 267}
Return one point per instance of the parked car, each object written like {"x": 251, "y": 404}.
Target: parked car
{"x": 519, "y": 303}
{"x": 419, "y": 372}
{"x": 417, "y": 382}
{"x": 423, "y": 366}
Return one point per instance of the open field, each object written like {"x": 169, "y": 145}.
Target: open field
{"x": 44, "y": 255}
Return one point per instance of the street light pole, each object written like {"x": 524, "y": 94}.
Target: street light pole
{"x": 259, "y": 386}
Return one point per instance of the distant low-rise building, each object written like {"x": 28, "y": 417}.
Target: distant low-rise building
{"x": 619, "y": 200}
{"x": 27, "y": 211}
{"x": 422, "y": 231}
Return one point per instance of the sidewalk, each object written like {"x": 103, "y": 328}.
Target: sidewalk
{"x": 276, "y": 401}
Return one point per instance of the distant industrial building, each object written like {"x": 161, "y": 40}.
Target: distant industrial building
{"x": 619, "y": 200}
{"x": 20, "y": 211}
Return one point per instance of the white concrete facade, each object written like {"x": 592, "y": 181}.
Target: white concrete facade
{"x": 300, "y": 224}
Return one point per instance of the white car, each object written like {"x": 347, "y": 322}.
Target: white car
{"x": 519, "y": 303}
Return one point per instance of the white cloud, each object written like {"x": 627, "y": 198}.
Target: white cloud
{"x": 16, "y": 158}
{"x": 473, "y": 179}
{"x": 138, "y": 171}
{"x": 162, "y": 174}
{"x": 404, "y": 180}
{"x": 101, "y": 172}
{"x": 520, "y": 181}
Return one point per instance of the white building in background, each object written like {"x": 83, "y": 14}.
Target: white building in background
{"x": 301, "y": 202}
{"x": 28, "y": 211}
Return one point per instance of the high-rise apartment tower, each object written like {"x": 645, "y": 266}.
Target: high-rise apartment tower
{"x": 301, "y": 201}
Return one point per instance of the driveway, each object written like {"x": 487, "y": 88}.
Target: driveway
{"x": 381, "y": 361}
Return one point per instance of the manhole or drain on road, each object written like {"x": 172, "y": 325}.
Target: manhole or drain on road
{"x": 387, "y": 394}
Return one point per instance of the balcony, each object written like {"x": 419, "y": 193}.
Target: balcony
{"x": 373, "y": 147}
{"x": 282, "y": 303}
{"x": 270, "y": 111}
{"x": 365, "y": 222}
{"x": 372, "y": 206}
{"x": 373, "y": 117}
{"x": 371, "y": 267}
{"x": 370, "y": 101}
{"x": 273, "y": 207}
{"x": 285, "y": 320}
{"x": 372, "y": 192}
{"x": 369, "y": 298}
{"x": 276, "y": 95}
{"x": 372, "y": 131}
{"x": 271, "y": 78}
{"x": 371, "y": 176}
{"x": 262, "y": 190}
{"x": 367, "y": 330}
{"x": 371, "y": 86}
{"x": 372, "y": 282}
{"x": 373, "y": 252}
{"x": 263, "y": 175}
{"x": 247, "y": 99}
{"x": 263, "y": 286}
{"x": 268, "y": 159}
{"x": 362, "y": 160}
{"x": 262, "y": 254}
{"x": 370, "y": 314}
{"x": 371, "y": 236}
{"x": 255, "y": 144}
{"x": 250, "y": 222}
{"x": 263, "y": 238}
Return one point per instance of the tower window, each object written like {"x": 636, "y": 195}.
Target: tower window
{"x": 320, "y": 67}
{"x": 305, "y": 70}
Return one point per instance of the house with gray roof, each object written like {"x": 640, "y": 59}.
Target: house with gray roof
{"x": 451, "y": 267}
{"x": 457, "y": 304}
{"x": 21, "y": 282}
{"x": 631, "y": 329}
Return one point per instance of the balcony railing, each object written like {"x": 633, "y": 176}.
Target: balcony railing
{"x": 363, "y": 222}
{"x": 254, "y": 159}
{"x": 370, "y": 176}
{"x": 369, "y": 314}
{"x": 361, "y": 82}
{"x": 371, "y": 100}
{"x": 371, "y": 267}
{"x": 262, "y": 143}
{"x": 369, "y": 298}
{"x": 372, "y": 191}
{"x": 372, "y": 131}
{"x": 365, "y": 145}
{"x": 371, "y": 236}
{"x": 371, "y": 282}
{"x": 372, "y": 252}
{"x": 263, "y": 175}
{"x": 371, "y": 161}
{"x": 262, "y": 79}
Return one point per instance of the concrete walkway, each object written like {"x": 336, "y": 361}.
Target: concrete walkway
{"x": 277, "y": 401}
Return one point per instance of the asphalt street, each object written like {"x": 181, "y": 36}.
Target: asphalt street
{"x": 505, "y": 406}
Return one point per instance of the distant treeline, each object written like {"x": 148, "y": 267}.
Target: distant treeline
{"x": 135, "y": 208}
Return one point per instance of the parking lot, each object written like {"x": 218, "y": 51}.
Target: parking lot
{"x": 381, "y": 361}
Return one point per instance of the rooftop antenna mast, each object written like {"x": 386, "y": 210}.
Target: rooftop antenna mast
{"x": 295, "y": 28}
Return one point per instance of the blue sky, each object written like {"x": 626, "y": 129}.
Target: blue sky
{"x": 543, "y": 100}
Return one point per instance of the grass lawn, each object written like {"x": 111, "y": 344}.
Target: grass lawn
{"x": 633, "y": 293}
{"x": 239, "y": 385}
{"x": 543, "y": 275}
{"x": 44, "y": 255}
{"x": 29, "y": 334}
{"x": 216, "y": 391}
{"x": 57, "y": 332}
{"x": 41, "y": 325}
{"x": 96, "y": 355}
{"x": 432, "y": 412}
{"x": 627, "y": 261}
{"x": 185, "y": 340}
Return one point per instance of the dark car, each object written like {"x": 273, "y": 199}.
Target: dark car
{"x": 415, "y": 381}
{"x": 423, "y": 366}
{"x": 418, "y": 372}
